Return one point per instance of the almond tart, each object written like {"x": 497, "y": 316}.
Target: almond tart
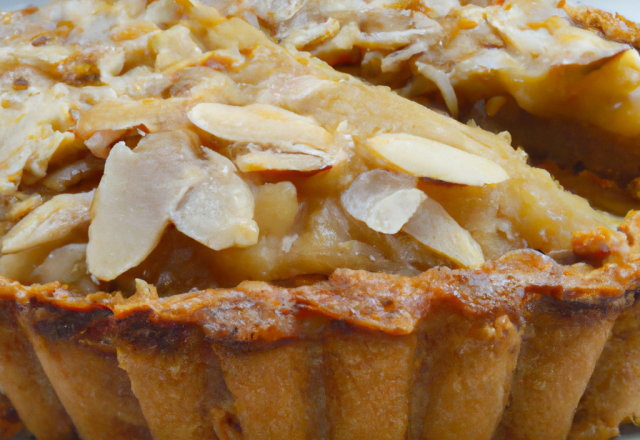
{"x": 208, "y": 235}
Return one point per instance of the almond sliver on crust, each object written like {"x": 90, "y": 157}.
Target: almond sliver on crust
{"x": 218, "y": 211}
{"x": 433, "y": 227}
{"x": 163, "y": 180}
{"x": 51, "y": 221}
{"x": 269, "y": 127}
{"x": 427, "y": 158}
{"x": 385, "y": 201}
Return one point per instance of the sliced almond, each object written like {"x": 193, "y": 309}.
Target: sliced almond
{"x": 51, "y": 221}
{"x": 168, "y": 177}
{"x": 218, "y": 211}
{"x": 24, "y": 207}
{"x": 73, "y": 173}
{"x": 384, "y": 200}
{"x": 269, "y": 127}
{"x": 154, "y": 114}
{"x": 432, "y": 226}
{"x": 134, "y": 199}
{"x": 261, "y": 124}
{"x": 101, "y": 140}
{"x": 267, "y": 160}
{"x": 174, "y": 45}
{"x": 422, "y": 157}
{"x": 67, "y": 265}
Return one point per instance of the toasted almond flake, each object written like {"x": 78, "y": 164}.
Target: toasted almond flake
{"x": 134, "y": 199}
{"x": 51, "y": 221}
{"x": 24, "y": 207}
{"x": 312, "y": 33}
{"x": 432, "y": 226}
{"x": 174, "y": 45}
{"x": 218, "y": 211}
{"x": 263, "y": 125}
{"x": 266, "y": 160}
{"x": 73, "y": 173}
{"x": 154, "y": 114}
{"x": 168, "y": 177}
{"x": 101, "y": 140}
{"x": 67, "y": 265}
{"x": 384, "y": 200}
{"x": 422, "y": 157}
{"x": 442, "y": 81}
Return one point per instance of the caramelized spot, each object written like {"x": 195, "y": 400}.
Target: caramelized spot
{"x": 466, "y": 24}
{"x": 40, "y": 41}
{"x": 80, "y": 70}
{"x": 598, "y": 245}
{"x": 29, "y": 11}
{"x": 20, "y": 84}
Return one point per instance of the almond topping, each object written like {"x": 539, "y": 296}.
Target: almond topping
{"x": 133, "y": 201}
{"x": 101, "y": 140}
{"x": 384, "y": 200}
{"x": 266, "y": 160}
{"x": 51, "y": 221}
{"x": 168, "y": 177}
{"x": 174, "y": 45}
{"x": 67, "y": 265}
{"x": 432, "y": 226}
{"x": 269, "y": 128}
{"x": 422, "y": 157}
{"x": 218, "y": 211}
{"x": 110, "y": 117}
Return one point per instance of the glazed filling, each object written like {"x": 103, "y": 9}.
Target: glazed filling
{"x": 167, "y": 143}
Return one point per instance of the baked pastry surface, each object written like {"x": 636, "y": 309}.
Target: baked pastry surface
{"x": 394, "y": 291}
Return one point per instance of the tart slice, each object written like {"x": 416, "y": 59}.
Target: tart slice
{"x": 210, "y": 235}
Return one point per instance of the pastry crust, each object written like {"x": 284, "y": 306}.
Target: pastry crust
{"x": 10, "y": 423}
{"x": 612, "y": 26}
{"x": 26, "y": 382}
{"x": 318, "y": 350}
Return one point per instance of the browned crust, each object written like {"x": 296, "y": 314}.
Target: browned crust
{"x": 612, "y": 395}
{"x": 82, "y": 365}
{"x": 393, "y": 304}
{"x": 10, "y": 423}
{"x": 23, "y": 379}
{"x": 559, "y": 352}
{"x": 611, "y": 26}
{"x": 445, "y": 328}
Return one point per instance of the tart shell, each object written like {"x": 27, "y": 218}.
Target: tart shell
{"x": 503, "y": 351}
